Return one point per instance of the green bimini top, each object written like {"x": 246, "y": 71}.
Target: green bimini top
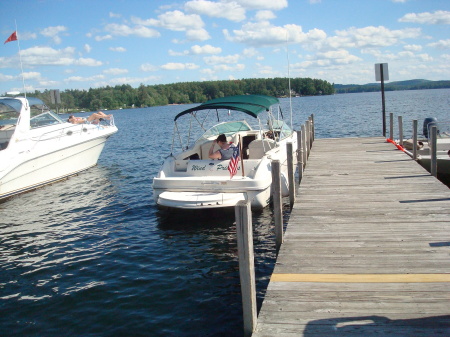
{"x": 250, "y": 104}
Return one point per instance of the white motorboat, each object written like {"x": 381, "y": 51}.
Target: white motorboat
{"x": 37, "y": 147}
{"x": 189, "y": 179}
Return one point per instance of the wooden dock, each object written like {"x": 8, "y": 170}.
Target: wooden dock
{"x": 366, "y": 251}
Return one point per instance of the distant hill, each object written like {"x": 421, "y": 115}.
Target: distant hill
{"x": 391, "y": 86}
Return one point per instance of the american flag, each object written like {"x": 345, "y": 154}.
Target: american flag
{"x": 234, "y": 161}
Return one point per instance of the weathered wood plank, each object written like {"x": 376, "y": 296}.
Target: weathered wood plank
{"x": 363, "y": 207}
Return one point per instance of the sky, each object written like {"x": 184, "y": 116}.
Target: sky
{"x": 82, "y": 44}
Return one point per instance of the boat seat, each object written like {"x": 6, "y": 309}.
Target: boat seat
{"x": 256, "y": 148}
{"x": 204, "y": 149}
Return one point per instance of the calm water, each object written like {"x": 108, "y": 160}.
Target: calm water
{"x": 93, "y": 256}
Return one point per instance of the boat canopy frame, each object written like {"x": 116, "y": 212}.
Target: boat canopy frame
{"x": 252, "y": 105}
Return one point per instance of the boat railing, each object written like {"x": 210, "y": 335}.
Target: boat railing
{"x": 73, "y": 129}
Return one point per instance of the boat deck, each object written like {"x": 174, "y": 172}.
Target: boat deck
{"x": 366, "y": 250}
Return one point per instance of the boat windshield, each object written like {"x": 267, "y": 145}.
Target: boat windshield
{"x": 40, "y": 114}
{"x": 283, "y": 129}
{"x": 9, "y": 111}
{"x": 44, "y": 119}
{"x": 227, "y": 128}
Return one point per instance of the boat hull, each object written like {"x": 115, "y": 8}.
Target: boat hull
{"x": 32, "y": 171}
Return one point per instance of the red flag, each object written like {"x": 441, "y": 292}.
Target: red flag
{"x": 13, "y": 37}
{"x": 234, "y": 161}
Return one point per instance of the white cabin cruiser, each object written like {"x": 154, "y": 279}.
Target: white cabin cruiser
{"x": 37, "y": 147}
{"x": 189, "y": 179}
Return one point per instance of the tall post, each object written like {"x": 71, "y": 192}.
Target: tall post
{"x": 311, "y": 132}
{"x": 433, "y": 169}
{"x": 246, "y": 264}
{"x": 308, "y": 137}
{"x": 276, "y": 197}
{"x": 305, "y": 153}
{"x": 290, "y": 163}
{"x": 391, "y": 126}
{"x": 313, "y": 127}
{"x": 299, "y": 156}
{"x": 400, "y": 130}
{"x": 382, "y": 99}
{"x": 415, "y": 139}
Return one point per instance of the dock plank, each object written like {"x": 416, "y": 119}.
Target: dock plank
{"x": 376, "y": 223}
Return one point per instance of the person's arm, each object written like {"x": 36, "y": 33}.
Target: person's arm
{"x": 212, "y": 154}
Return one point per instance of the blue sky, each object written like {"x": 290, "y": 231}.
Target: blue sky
{"x": 81, "y": 44}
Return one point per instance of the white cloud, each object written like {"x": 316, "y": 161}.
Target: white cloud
{"x": 53, "y": 33}
{"x": 197, "y": 50}
{"x": 436, "y": 18}
{"x": 114, "y": 15}
{"x": 125, "y": 30}
{"x": 32, "y": 75}
{"x": 88, "y": 62}
{"x": 148, "y": 67}
{"x": 371, "y": 36}
{"x": 261, "y": 4}
{"x": 179, "y": 66}
{"x": 104, "y": 37}
{"x": 45, "y": 56}
{"x": 87, "y": 48}
{"x": 225, "y": 67}
{"x": 412, "y": 47}
{"x": 221, "y": 59}
{"x": 197, "y": 35}
{"x": 206, "y": 49}
{"x": 227, "y": 10}
{"x": 178, "y": 21}
{"x": 264, "y": 15}
{"x": 174, "y": 20}
{"x": 264, "y": 34}
{"x": 127, "y": 80}
{"x": 84, "y": 79}
{"x": 118, "y": 49}
{"x": 441, "y": 44}
{"x": 115, "y": 71}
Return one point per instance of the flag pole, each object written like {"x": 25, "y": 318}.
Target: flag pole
{"x": 20, "y": 59}
{"x": 242, "y": 156}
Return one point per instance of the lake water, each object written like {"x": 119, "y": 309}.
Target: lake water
{"x": 93, "y": 255}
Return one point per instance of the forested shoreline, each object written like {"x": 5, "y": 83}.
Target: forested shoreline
{"x": 125, "y": 96}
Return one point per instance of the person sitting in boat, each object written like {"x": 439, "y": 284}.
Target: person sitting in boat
{"x": 95, "y": 118}
{"x": 226, "y": 149}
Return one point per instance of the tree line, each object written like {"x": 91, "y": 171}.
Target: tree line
{"x": 393, "y": 86}
{"x": 125, "y": 96}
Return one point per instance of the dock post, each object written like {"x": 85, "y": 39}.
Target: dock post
{"x": 400, "y": 130}
{"x": 276, "y": 197}
{"x": 291, "y": 179}
{"x": 433, "y": 169}
{"x": 308, "y": 137}
{"x": 310, "y": 131}
{"x": 415, "y": 139}
{"x": 246, "y": 264}
{"x": 313, "y": 128}
{"x": 299, "y": 156}
{"x": 305, "y": 153}
{"x": 391, "y": 126}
